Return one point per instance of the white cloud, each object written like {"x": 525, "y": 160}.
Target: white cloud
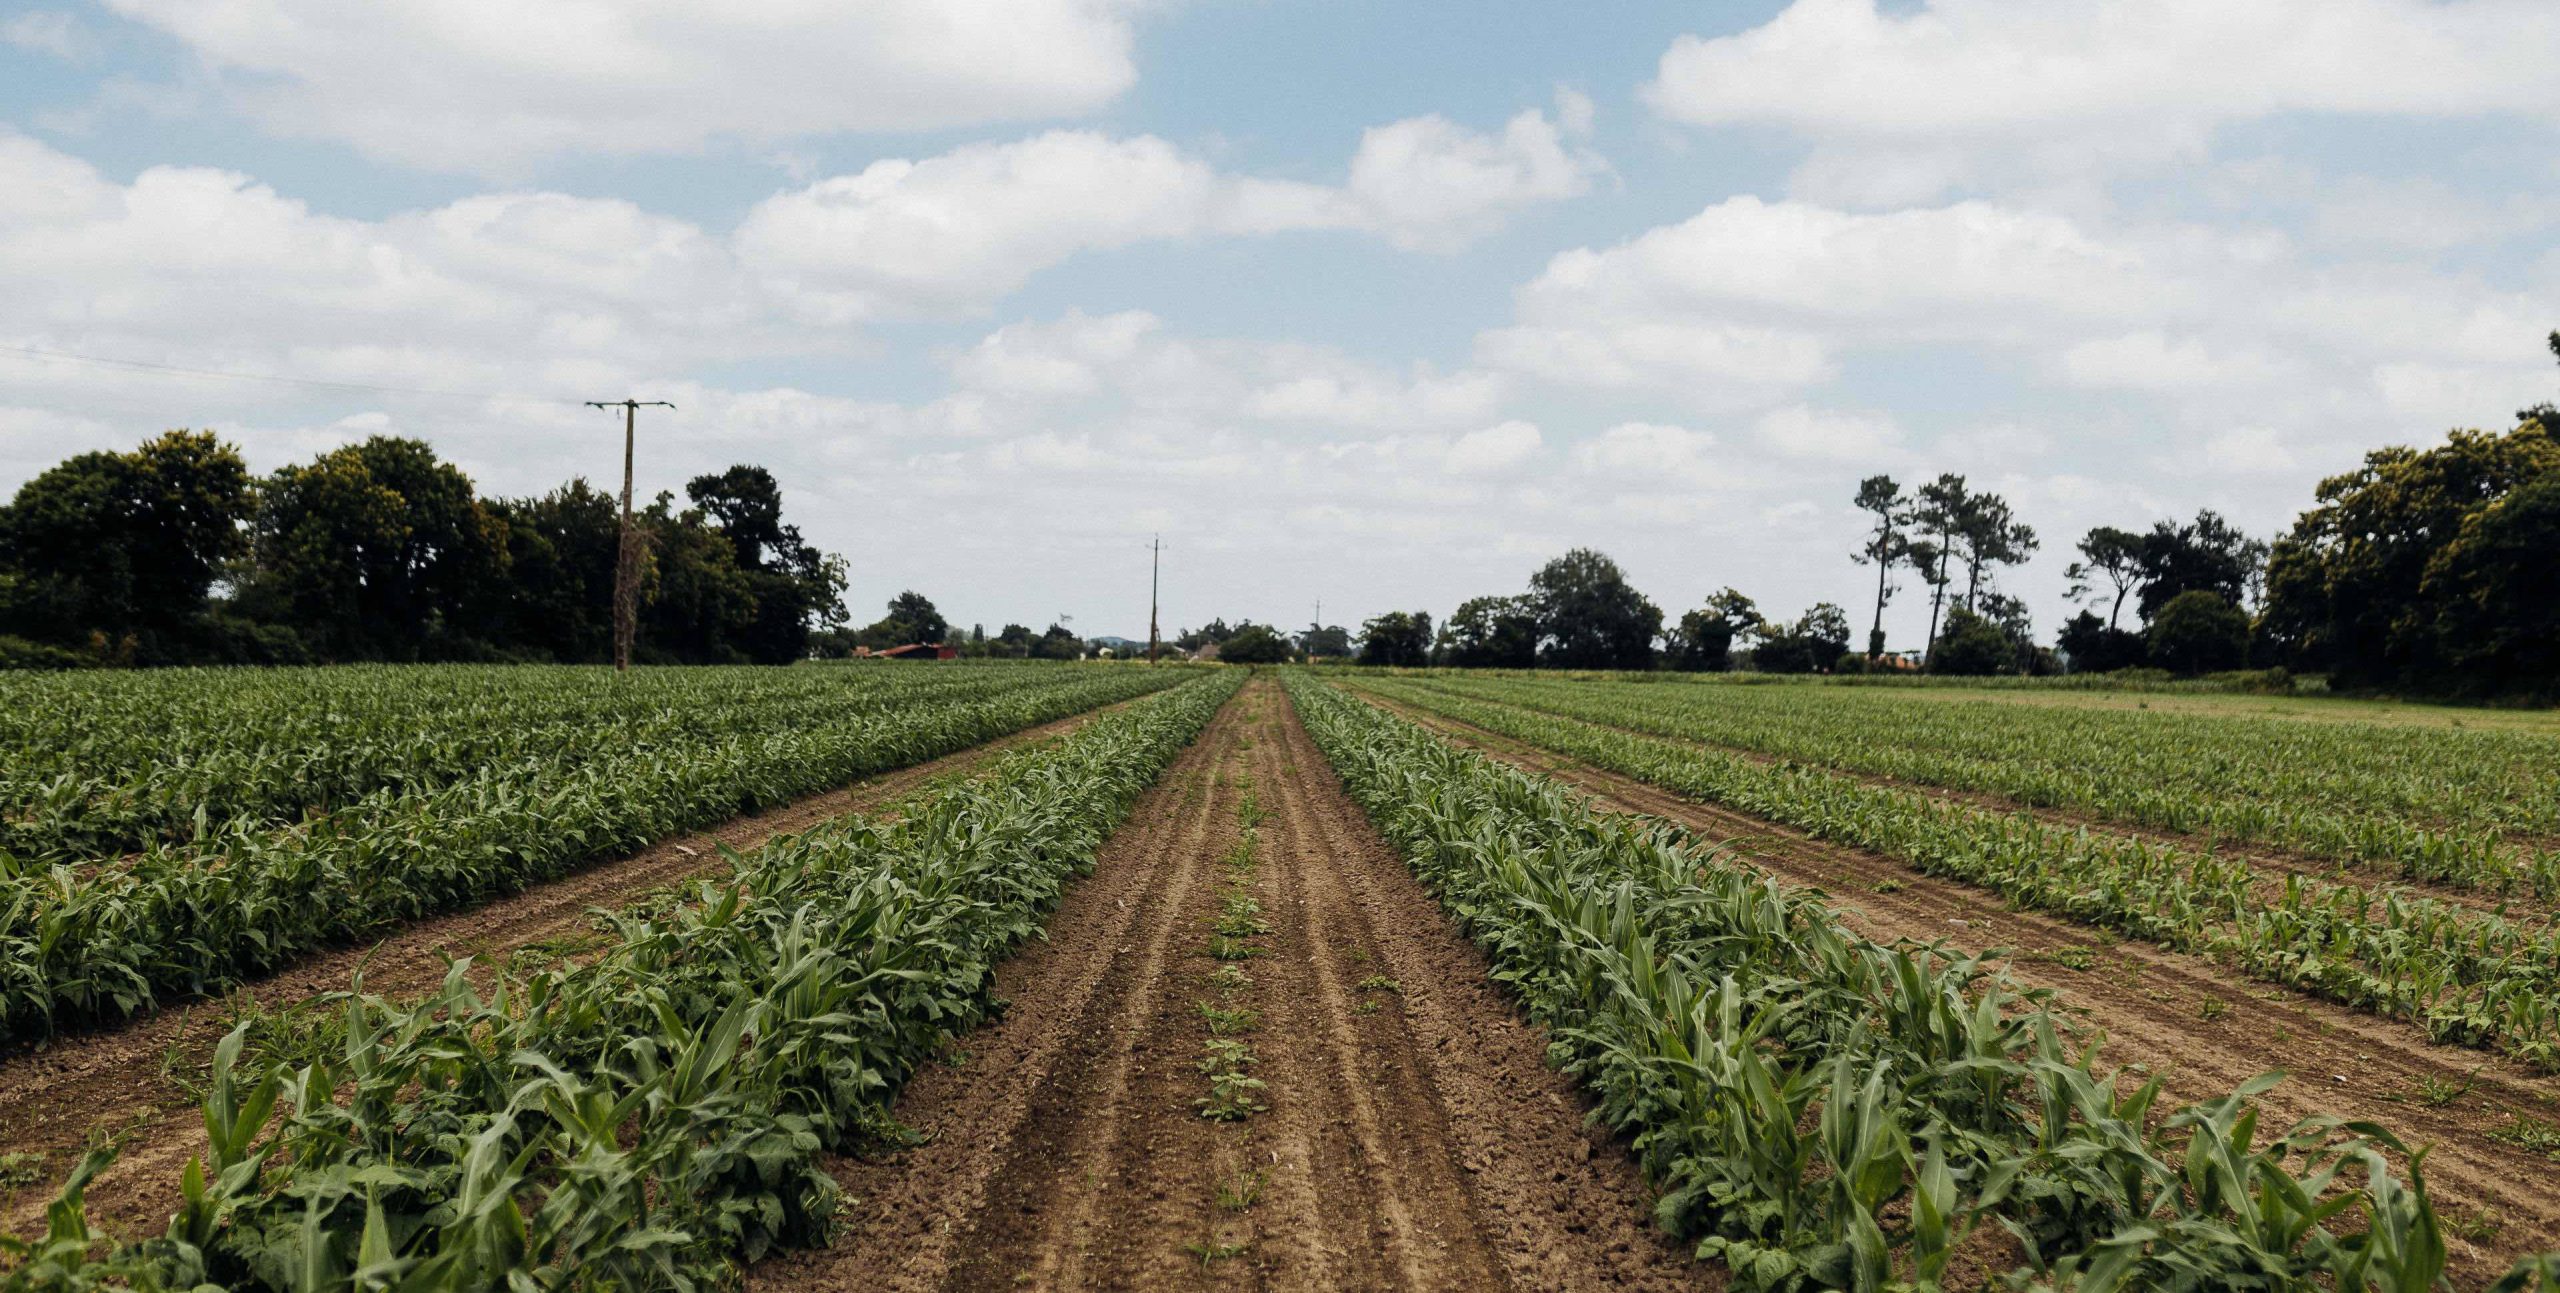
{"x": 48, "y": 31}
{"x": 2248, "y": 450}
{"x": 1749, "y": 297}
{"x": 955, "y": 231}
{"x": 1835, "y": 435}
{"x": 1654, "y": 453}
{"x": 491, "y": 85}
{"x": 2150, "y": 361}
{"x": 1942, "y": 94}
{"x": 1130, "y": 356}
{"x": 1427, "y": 182}
{"x": 952, "y": 232}
{"x": 1495, "y": 448}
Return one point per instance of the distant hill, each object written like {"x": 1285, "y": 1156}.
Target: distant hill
{"x": 1117, "y": 643}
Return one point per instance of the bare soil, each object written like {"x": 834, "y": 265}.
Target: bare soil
{"x": 2200, "y": 1028}
{"x": 1411, "y": 1135}
{"x": 122, "y": 1084}
{"x": 2265, "y": 855}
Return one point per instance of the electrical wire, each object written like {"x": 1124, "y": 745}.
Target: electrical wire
{"x": 174, "y": 370}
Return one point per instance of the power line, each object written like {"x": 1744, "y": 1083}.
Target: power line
{"x": 175, "y": 370}
{"x": 626, "y": 562}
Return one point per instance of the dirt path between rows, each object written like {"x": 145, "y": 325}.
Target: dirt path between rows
{"x": 2266, "y": 855}
{"x": 118, "y": 1084}
{"x": 2202, "y": 1029}
{"x": 1410, "y": 1135}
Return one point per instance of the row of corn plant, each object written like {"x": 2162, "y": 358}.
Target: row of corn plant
{"x": 653, "y": 1116}
{"x": 185, "y": 921}
{"x": 2466, "y": 977}
{"x": 100, "y": 764}
{"x": 2462, "y": 807}
{"x": 1824, "y": 1112}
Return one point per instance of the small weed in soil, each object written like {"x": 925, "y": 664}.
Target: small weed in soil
{"x": 1210, "y": 1252}
{"x": 1227, "y": 1022}
{"x": 2213, "y": 1008}
{"x": 2478, "y": 1225}
{"x": 2538, "y": 1135}
{"x": 2436, "y": 1093}
{"x": 1241, "y": 1191}
{"x": 2069, "y": 958}
{"x": 1380, "y": 983}
{"x": 1230, "y": 949}
{"x": 1886, "y": 886}
{"x": 20, "y": 1170}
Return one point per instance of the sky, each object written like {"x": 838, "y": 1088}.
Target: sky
{"x": 1374, "y": 304}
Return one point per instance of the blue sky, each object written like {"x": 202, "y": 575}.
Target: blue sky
{"x": 1378, "y": 303}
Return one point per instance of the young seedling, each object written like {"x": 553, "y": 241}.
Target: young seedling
{"x": 1241, "y": 1191}
{"x": 2436, "y": 1093}
{"x": 1380, "y": 983}
{"x": 1224, "y": 1055}
{"x": 20, "y": 1170}
{"x": 1210, "y": 1251}
{"x": 1226, "y": 1022}
{"x": 1231, "y": 1098}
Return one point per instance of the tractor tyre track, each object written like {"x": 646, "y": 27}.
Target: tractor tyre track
{"x": 1412, "y": 1139}
{"x": 117, "y": 1084}
{"x": 2151, "y": 1006}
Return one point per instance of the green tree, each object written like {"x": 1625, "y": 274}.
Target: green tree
{"x": 1886, "y": 546}
{"x": 1590, "y": 617}
{"x": 378, "y": 551}
{"x": 123, "y": 544}
{"x": 1397, "y": 638}
{"x": 1254, "y": 644}
{"x": 1703, "y": 642}
{"x": 1491, "y": 633}
{"x": 2096, "y": 646}
{"x": 1329, "y": 640}
{"x": 2198, "y": 632}
{"x": 2110, "y": 554}
{"x": 561, "y": 550}
{"x": 1813, "y": 644}
{"x": 1057, "y": 642}
{"x": 1989, "y": 536}
{"x": 797, "y": 588}
{"x": 1938, "y": 514}
{"x": 2348, "y": 587}
{"x": 2496, "y": 591}
{"x": 911, "y": 617}
{"x": 696, "y": 606}
{"x": 2208, "y": 554}
{"x": 1970, "y": 646}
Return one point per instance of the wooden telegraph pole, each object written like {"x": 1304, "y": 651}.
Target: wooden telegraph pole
{"x": 1155, "y": 582}
{"x": 626, "y": 562}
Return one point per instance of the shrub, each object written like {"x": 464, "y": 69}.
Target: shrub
{"x": 1971, "y": 645}
{"x": 2198, "y": 633}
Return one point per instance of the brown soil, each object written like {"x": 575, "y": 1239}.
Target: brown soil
{"x": 118, "y": 1084}
{"x": 2265, "y": 855}
{"x": 2155, "y": 1009}
{"x": 1412, "y": 1136}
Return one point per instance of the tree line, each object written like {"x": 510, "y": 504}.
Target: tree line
{"x": 2430, "y": 570}
{"x": 174, "y": 553}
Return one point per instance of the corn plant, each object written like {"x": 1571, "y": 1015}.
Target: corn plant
{"x": 653, "y": 1116}
{"x": 1821, "y": 1111}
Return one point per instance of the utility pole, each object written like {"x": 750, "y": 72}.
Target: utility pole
{"x": 1155, "y": 584}
{"x": 626, "y": 561}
